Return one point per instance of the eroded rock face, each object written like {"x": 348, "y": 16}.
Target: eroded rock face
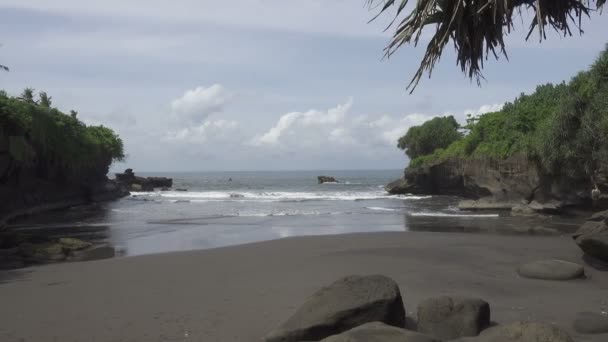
{"x": 592, "y": 236}
{"x": 551, "y": 270}
{"x": 452, "y": 317}
{"x": 379, "y": 332}
{"x": 343, "y": 305}
{"x": 136, "y": 183}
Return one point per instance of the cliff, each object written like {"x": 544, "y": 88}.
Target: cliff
{"x": 498, "y": 183}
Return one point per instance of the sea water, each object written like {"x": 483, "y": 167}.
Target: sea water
{"x": 230, "y": 208}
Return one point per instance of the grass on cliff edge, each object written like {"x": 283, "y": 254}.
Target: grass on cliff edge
{"x": 34, "y": 132}
{"x": 563, "y": 127}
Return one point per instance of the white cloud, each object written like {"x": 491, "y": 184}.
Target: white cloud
{"x": 290, "y": 122}
{"x": 209, "y": 131}
{"x": 197, "y": 104}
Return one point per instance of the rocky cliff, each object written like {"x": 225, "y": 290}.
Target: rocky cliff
{"x": 504, "y": 183}
{"x": 42, "y": 185}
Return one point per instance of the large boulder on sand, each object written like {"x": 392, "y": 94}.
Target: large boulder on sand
{"x": 592, "y": 236}
{"x": 551, "y": 270}
{"x": 521, "y": 332}
{"x": 379, "y": 332}
{"x": 452, "y": 317}
{"x": 343, "y": 305}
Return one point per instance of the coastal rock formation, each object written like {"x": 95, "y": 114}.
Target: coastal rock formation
{"x": 502, "y": 184}
{"x": 592, "y": 236}
{"x": 60, "y": 250}
{"x": 135, "y": 183}
{"x": 521, "y": 332}
{"x": 343, "y": 305}
{"x": 379, "y": 332}
{"x": 591, "y": 323}
{"x": 551, "y": 270}
{"x": 449, "y": 318}
{"x": 326, "y": 179}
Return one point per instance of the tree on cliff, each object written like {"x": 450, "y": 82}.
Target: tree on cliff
{"x": 476, "y": 27}
{"x": 45, "y": 99}
{"x": 27, "y": 96}
{"x": 434, "y": 134}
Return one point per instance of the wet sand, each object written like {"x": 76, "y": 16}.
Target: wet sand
{"x": 240, "y": 293}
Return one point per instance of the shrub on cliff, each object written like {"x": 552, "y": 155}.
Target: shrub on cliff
{"x": 426, "y": 138}
{"x": 34, "y": 133}
{"x": 562, "y": 127}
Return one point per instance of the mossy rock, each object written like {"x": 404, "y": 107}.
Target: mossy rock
{"x": 72, "y": 244}
{"x": 44, "y": 252}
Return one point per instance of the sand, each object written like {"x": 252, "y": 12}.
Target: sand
{"x": 240, "y": 293}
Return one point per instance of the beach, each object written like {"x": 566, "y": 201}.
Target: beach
{"x": 240, "y": 293}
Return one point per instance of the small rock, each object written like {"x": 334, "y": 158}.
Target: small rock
{"x": 343, "y": 305}
{"x": 453, "y": 317}
{"x": 72, "y": 244}
{"x": 42, "y": 252}
{"x": 379, "y": 332}
{"x": 94, "y": 253}
{"x": 523, "y": 210}
{"x": 523, "y": 332}
{"x": 591, "y": 323}
{"x": 551, "y": 270}
{"x": 326, "y": 179}
{"x": 136, "y": 187}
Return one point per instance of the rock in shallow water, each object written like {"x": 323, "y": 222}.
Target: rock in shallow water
{"x": 379, "y": 332}
{"x": 591, "y": 323}
{"x": 521, "y": 332}
{"x": 551, "y": 270}
{"x": 453, "y": 317}
{"x": 343, "y": 305}
{"x": 592, "y": 236}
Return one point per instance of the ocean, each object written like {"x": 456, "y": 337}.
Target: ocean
{"x": 231, "y": 208}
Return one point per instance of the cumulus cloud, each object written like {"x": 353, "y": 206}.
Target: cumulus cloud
{"x": 197, "y": 104}
{"x": 290, "y": 122}
{"x": 210, "y": 130}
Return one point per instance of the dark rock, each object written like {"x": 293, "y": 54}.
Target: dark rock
{"x": 71, "y": 244}
{"x": 521, "y": 332}
{"x": 96, "y": 252}
{"x": 591, "y": 323}
{"x": 343, "y": 305}
{"x": 486, "y": 204}
{"x": 165, "y": 189}
{"x": 599, "y": 216}
{"x": 182, "y": 190}
{"x": 453, "y": 317}
{"x": 326, "y": 179}
{"x": 398, "y": 187}
{"x": 42, "y": 252}
{"x": 160, "y": 182}
{"x": 592, "y": 237}
{"x": 551, "y": 270}
{"x": 129, "y": 179}
{"x": 379, "y": 332}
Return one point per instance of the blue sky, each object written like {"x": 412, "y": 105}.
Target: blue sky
{"x": 255, "y": 84}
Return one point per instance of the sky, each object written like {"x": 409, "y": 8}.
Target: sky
{"x": 199, "y": 85}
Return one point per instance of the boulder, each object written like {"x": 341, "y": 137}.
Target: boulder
{"x": 326, "y": 179}
{"x": 521, "y": 332}
{"x": 343, "y": 305}
{"x": 592, "y": 236}
{"x": 379, "y": 332}
{"x": 160, "y": 182}
{"x": 551, "y": 270}
{"x": 136, "y": 187}
{"x": 453, "y": 317}
{"x": 591, "y": 323}
{"x": 42, "y": 252}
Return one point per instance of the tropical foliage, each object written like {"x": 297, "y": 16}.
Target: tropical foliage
{"x": 426, "y": 138}
{"x": 564, "y": 128}
{"x": 476, "y": 27}
{"x": 35, "y": 133}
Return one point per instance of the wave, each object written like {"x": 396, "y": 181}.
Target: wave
{"x": 440, "y": 214}
{"x": 382, "y": 209}
{"x": 205, "y": 196}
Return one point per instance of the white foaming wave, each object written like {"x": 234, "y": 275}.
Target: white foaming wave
{"x": 286, "y": 213}
{"x": 440, "y": 214}
{"x": 273, "y": 196}
{"x": 382, "y": 209}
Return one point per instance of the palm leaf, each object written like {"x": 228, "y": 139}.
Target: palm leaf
{"x": 477, "y": 28}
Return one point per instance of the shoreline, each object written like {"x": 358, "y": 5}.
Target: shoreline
{"x": 240, "y": 293}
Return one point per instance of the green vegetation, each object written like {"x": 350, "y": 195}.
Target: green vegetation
{"x": 426, "y": 138}
{"x": 476, "y": 27}
{"x": 563, "y": 128}
{"x": 34, "y": 133}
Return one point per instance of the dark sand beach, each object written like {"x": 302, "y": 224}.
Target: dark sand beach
{"x": 240, "y": 293}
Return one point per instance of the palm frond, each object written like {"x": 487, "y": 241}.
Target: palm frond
{"x": 477, "y": 28}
